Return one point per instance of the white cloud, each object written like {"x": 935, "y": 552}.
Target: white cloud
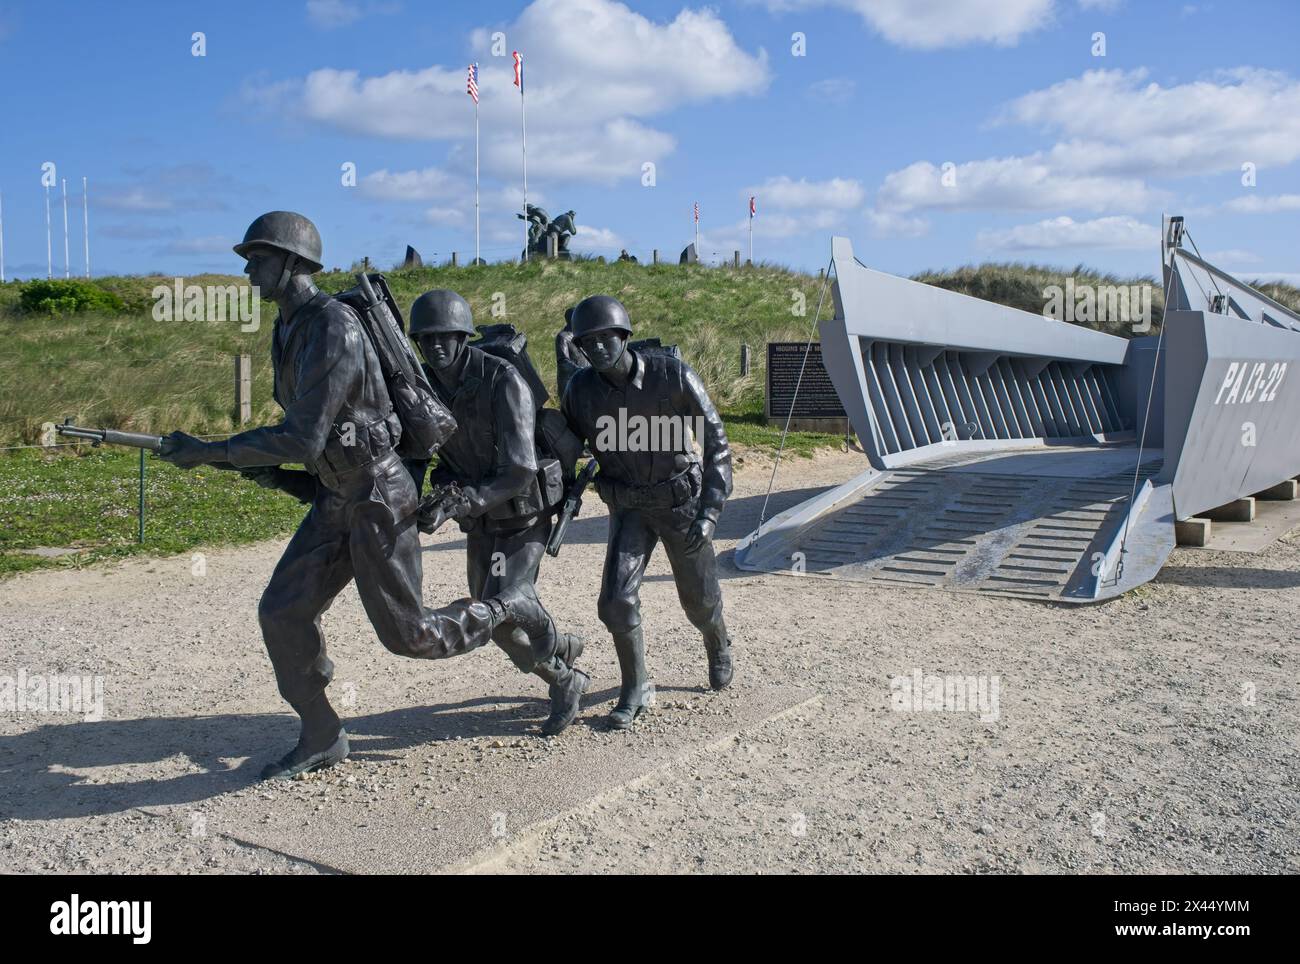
{"x": 594, "y": 69}
{"x": 784, "y": 192}
{"x": 1008, "y": 183}
{"x": 1231, "y": 256}
{"x": 889, "y": 224}
{"x": 592, "y": 240}
{"x": 426, "y": 184}
{"x": 1263, "y": 204}
{"x": 1118, "y": 122}
{"x": 834, "y": 90}
{"x": 1065, "y": 232}
{"x": 932, "y": 24}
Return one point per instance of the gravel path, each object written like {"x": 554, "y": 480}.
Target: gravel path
{"x": 1154, "y": 733}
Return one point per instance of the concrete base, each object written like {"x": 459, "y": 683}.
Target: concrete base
{"x": 1239, "y": 510}
{"x": 831, "y": 426}
{"x": 1282, "y": 492}
{"x": 1192, "y": 532}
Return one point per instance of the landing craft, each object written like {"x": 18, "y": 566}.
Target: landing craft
{"x": 1014, "y": 454}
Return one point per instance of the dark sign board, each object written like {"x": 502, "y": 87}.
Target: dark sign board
{"x": 816, "y": 398}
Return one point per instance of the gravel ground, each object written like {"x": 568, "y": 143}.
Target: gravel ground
{"x": 1154, "y": 733}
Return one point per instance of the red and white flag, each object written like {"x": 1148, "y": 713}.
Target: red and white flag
{"x": 697, "y": 212}
{"x": 471, "y": 82}
{"x": 519, "y": 71}
{"x": 752, "y": 209}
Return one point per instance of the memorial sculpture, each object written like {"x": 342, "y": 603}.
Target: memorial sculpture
{"x": 490, "y": 479}
{"x": 350, "y": 407}
{"x": 541, "y": 229}
{"x": 657, "y": 488}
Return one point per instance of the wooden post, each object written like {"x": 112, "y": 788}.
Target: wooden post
{"x": 243, "y": 388}
{"x": 744, "y": 360}
{"x": 820, "y": 272}
{"x": 365, "y": 264}
{"x": 453, "y": 259}
{"x": 735, "y": 261}
{"x": 655, "y": 256}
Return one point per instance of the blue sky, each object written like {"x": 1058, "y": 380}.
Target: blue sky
{"x": 1058, "y": 155}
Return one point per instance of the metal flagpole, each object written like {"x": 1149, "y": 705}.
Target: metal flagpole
{"x": 85, "y": 223}
{"x": 2, "y": 238}
{"x": 49, "y": 251}
{"x": 476, "y": 235}
{"x": 523, "y": 131}
{"x": 67, "y": 266}
{"x": 697, "y": 229}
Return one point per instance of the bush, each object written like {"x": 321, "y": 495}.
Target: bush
{"x": 66, "y": 298}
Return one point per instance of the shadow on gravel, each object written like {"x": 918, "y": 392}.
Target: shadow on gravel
{"x": 1229, "y": 577}
{"x": 50, "y": 772}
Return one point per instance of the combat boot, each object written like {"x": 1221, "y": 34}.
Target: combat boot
{"x": 518, "y": 605}
{"x": 569, "y": 647}
{"x": 718, "y": 645}
{"x": 322, "y": 743}
{"x": 633, "y": 695}
{"x": 567, "y": 686}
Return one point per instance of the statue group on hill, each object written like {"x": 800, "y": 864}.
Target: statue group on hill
{"x": 541, "y": 228}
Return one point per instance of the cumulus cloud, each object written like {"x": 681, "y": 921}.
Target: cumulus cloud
{"x": 331, "y": 14}
{"x": 594, "y": 72}
{"x": 426, "y": 184}
{"x": 933, "y": 24}
{"x": 1064, "y": 232}
{"x": 1263, "y": 203}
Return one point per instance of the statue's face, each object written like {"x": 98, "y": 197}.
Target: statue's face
{"x": 265, "y": 264}
{"x": 441, "y": 349}
{"x": 603, "y": 348}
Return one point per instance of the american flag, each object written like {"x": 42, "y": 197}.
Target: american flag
{"x": 697, "y": 212}
{"x": 519, "y": 71}
{"x": 752, "y": 210}
{"x": 471, "y": 82}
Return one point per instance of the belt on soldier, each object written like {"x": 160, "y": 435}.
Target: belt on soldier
{"x": 668, "y": 494}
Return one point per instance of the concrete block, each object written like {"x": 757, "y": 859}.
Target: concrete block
{"x": 1238, "y": 510}
{"x": 1192, "y": 532}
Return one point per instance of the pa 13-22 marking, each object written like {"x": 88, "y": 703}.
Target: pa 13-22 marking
{"x": 1247, "y": 382}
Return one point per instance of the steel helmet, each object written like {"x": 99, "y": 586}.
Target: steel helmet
{"x": 441, "y": 310}
{"x": 600, "y": 313}
{"x": 286, "y": 231}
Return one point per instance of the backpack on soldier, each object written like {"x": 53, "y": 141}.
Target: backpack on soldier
{"x": 426, "y": 422}
{"x": 558, "y": 448}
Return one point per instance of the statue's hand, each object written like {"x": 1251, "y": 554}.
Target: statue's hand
{"x": 700, "y": 534}
{"x": 185, "y": 451}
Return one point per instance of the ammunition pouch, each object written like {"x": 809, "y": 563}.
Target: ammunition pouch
{"x": 352, "y": 448}
{"x": 668, "y": 494}
{"x": 544, "y": 493}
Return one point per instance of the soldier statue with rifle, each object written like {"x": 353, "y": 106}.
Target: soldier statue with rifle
{"x": 352, "y": 403}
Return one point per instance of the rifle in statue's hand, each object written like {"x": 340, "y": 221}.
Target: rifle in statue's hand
{"x": 572, "y": 506}
{"x": 442, "y": 503}
{"x": 135, "y": 440}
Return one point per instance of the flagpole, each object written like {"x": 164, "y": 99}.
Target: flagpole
{"x": 751, "y": 231}
{"x": 49, "y": 251}
{"x": 523, "y": 133}
{"x": 67, "y": 264}
{"x": 2, "y": 238}
{"x": 85, "y": 223}
{"x": 476, "y": 234}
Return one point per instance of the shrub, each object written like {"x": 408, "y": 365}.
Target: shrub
{"x": 66, "y": 298}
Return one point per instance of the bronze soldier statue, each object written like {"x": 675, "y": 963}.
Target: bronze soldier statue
{"x": 340, "y": 423}
{"x": 663, "y": 493}
{"x": 491, "y": 464}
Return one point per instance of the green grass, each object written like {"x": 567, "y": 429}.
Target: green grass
{"x": 125, "y": 370}
{"x": 89, "y": 502}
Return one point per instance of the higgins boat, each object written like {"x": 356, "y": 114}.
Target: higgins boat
{"x": 1013, "y": 453}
